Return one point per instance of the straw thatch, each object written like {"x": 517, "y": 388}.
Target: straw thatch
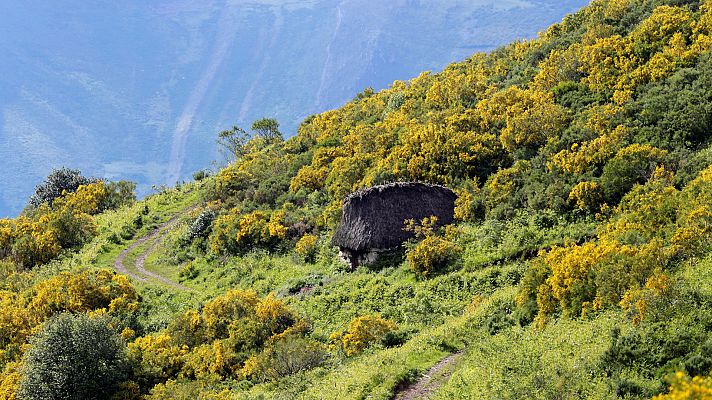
{"x": 373, "y": 219}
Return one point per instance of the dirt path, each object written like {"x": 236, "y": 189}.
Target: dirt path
{"x": 119, "y": 262}
{"x": 427, "y": 384}
{"x": 156, "y": 236}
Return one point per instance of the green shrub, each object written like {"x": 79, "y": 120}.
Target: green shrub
{"x": 127, "y": 232}
{"x": 188, "y": 272}
{"x": 72, "y": 229}
{"x": 654, "y": 350}
{"x": 288, "y": 356}
{"x": 632, "y": 165}
{"x": 501, "y": 318}
{"x": 114, "y": 238}
{"x": 137, "y": 222}
{"x": 698, "y": 364}
{"x": 200, "y": 227}
{"x": 200, "y": 175}
{"x": 74, "y": 356}
{"x": 395, "y": 338}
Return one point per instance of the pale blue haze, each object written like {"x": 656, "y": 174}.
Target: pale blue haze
{"x": 137, "y": 89}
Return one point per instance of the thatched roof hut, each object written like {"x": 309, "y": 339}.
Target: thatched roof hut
{"x": 373, "y": 218}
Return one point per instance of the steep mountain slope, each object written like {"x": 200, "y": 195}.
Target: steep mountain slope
{"x": 137, "y": 90}
{"x": 579, "y": 265}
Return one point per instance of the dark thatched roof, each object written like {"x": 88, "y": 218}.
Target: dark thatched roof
{"x": 374, "y": 218}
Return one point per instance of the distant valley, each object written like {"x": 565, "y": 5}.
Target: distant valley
{"x": 137, "y": 90}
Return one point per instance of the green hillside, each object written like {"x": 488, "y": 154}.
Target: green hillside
{"x": 580, "y": 264}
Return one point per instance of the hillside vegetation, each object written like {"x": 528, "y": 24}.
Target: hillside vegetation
{"x": 579, "y": 267}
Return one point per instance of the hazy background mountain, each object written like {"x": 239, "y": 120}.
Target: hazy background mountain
{"x": 138, "y": 89}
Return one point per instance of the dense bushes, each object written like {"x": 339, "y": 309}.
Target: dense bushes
{"x": 119, "y": 194}
{"x": 154, "y": 359}
{"x": 653, "y": 225}
{"x": 572, "y": 120}
{"x": 431, "y": 255}
{"x": 40, "y": 236}
{"x": 60, "y": 217}
{"x": 631, "y": 165}
{"x": 471, "y": 120}
{"x": 25, "y": 307}
{"x": 671, "y": 336}
{"x": 237, "y": 233}
{"x": 288, "y": 355}
{"x": 88, "y": 291}
{"x": 237, "y": 335}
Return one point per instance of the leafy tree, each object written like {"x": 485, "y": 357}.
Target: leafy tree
{"x": 233, "y": 142}
{"x": 267, "y": 129}
{"x": 200, "y": 175}
{"x": 118, "y": 194}
{"x": 74, "y": 356}
{"x": 56, "y": 184}
{"x": 366, "y": 93}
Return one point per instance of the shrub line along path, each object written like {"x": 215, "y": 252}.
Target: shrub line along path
{"x": 156, "y": 236}
{"x": 430, "y": 382}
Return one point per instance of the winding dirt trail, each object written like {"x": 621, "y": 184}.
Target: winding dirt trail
{"x": 157, "y": 236}
{"x": 119, "y": 262}
{"x": 427, "y": 384}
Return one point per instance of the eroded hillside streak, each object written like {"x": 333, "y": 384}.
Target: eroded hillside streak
{"x": 156, "y": 236}
{"x": 325, "y": 69}
{"x": 225, "y": 36}
{"x": 266, "y": 61}
{"x": 430, "y": 382}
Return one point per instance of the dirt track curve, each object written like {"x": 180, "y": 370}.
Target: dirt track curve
{"x": 427, "y": 384}
{"x": 156, "y": 236}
